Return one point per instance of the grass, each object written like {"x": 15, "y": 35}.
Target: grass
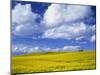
{"x": 53, "y": 61}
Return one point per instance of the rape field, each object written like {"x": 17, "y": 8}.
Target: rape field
{"x": 53, "y": 61}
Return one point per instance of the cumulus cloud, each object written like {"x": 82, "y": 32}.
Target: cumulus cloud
{"x": 92, "y": 39}
{"x": 71, "y": 48}
{"x": 67, "y": 22}
{"x": 24, "y": 20}
{"x": 25, "y": 49}
{"x": 57, "y": 14}
{"x": 75, "y": 31}
{"x": 59, "y": 20}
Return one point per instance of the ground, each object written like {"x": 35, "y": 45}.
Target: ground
{"x": 53, "y": 61}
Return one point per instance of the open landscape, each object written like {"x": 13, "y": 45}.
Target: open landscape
{"x": 53, "y": 61}
{"x": 52, "y": 37}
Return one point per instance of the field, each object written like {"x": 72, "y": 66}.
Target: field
{"x": 53, "y": 61}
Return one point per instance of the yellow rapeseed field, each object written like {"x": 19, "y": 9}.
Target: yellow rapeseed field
{"x": 53, "y": 61}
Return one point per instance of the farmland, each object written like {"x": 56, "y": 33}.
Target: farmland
{"x": 53, "y": 61}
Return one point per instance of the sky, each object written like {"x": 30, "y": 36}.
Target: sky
{"x": 46, "y": 27}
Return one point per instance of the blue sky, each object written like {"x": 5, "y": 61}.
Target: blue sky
{"x": 38, "y": 27}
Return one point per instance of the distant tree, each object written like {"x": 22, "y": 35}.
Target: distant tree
{"x": 81, "y": 50}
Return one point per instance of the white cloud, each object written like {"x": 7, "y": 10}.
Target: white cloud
{"x": 25, "y": 49}
{"x": 24, "y": 20}
{"x": 92, "y": 39}
{"x": 75, "y": 31}
{"x": 56, "y": 14}
{"x": 60, "y": 21}
{"x": 21, "y": 48}
{"x": 66, "y": 22}
{"x": 71, "y": 48}
{"x": 93, "y": 28}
